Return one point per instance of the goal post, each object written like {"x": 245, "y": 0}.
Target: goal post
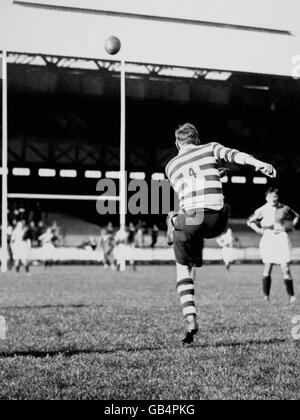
{"x": 4, "y": 222}
{"x": 121, "y": 198}
{"x": 123, "y": 179}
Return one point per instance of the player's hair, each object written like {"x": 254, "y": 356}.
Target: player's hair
{"x": 272, "y": 190}
{"x": 187, "y": 134}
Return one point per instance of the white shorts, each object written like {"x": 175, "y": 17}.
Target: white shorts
{"x": 275, "y": 248}
{"x": 228, "y": 255}
{"x": 120, "y": 252}
{"x": 21, "y": 250}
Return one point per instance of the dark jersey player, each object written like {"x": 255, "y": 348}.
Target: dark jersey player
{"x": 195, "y": 177}
{"x": 273, "y": 221}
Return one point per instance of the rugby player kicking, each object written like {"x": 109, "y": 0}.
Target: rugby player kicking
{"x": 195, "y": 177}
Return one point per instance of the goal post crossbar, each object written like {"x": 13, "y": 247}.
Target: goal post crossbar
{"x": 66, "y": 197}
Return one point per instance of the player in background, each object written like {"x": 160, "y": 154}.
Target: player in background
{"x": 132, "y": 244}
{"x": 154, "y": 235}
{"x": 106, "y": 244}
{"x": 47, "y": 240}
{"x": 20, "y": 247}
{"x": 195, "y": 177}
{"x": 10, "y": 230}
{"x": 273, "y": 221}
{"x": 228, "y": 242}
{"x": 120, "y": 251}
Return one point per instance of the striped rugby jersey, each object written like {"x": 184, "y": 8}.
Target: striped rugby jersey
{"x": 194, "y": 175}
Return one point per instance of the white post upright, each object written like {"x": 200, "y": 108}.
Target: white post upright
{"x": 4, "y": 164}
{"x": 123, "y": 176}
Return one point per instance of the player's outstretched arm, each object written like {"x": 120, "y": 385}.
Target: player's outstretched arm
{"x": 265, "y": 168}
{"x": 240, "y": 158}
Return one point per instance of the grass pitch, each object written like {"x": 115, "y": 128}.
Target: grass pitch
{"x": 83, "y": 333}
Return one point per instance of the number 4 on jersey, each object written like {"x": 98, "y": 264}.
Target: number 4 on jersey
{"x": 192, "y": 173}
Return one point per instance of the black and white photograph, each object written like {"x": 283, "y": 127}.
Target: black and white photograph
{"x": 150, "y": 205}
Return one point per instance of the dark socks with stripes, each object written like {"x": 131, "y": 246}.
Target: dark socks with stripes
{"x": 186, "y": 292}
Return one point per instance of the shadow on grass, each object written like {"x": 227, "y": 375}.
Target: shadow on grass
{"x": 81, "y": 352}
{"x": 246, "y": 343}
{"x": 72, "y": 306}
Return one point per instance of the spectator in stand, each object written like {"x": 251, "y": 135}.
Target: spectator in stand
{"x": 106, "y": 243}
{"x": 47, "y": 241}
{"x": 154, "y": 235}
{"x": 40, "y": 231}
{"x": 10, "y": 230}
{"x": 145, "y": 228}
{"x": 120, "y": 251}
{"x": 20, "y": 246}
{"x": 16, "y": 214}
{"x": 22, "y": 212}
{"x": 132, "y": 244}
{"x": 93, "y": 243}
{"x": 89, "y": 244}
{"x": 38, "y": 213}
{"x": 31, "y": 233}
{"x": 131, "y": 233}
{"x": 110, "y": 228}
{"x": 140, "y": 235}
{"x": 57, "y": 233}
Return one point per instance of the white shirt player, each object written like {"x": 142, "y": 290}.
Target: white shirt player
{"x": 47, "y": 245}
{"x": 120, "y": 250}
{"x": 20, "y": 246}
{"x": 274, "y": 220}
{"x": 278, "y": 217}
{"x": 121, "y": 237}
{"x": 47, "y": 237}
{"x": 18, "y": 233}
{"x": 227, "y": 242}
